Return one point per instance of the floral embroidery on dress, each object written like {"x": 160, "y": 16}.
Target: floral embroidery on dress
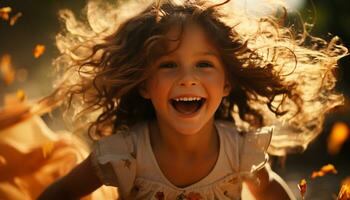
{"x": 160, "y": 196}
{"x": 194, "y": 196}
{"x": 127, "y": 163}
{"x": 181, "y": 196}
{"x": 136, "y": 188}
{"x": 233, "y": 180}
{"x": 189, "y": 196}
{"x": 226, "y": 193}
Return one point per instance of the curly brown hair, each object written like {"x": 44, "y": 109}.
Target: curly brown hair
{"x": 279, "y": 77}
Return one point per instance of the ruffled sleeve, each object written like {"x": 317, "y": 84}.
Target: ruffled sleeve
{"x": 253, "y": 147}
{"x": 114, "y": 161}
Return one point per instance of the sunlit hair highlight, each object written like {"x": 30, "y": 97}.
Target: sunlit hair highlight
{"x": 279, "y": 76}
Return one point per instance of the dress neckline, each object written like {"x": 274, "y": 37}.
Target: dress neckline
{"x": 196, "y": 184}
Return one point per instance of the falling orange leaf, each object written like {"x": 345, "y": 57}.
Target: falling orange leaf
{"x": 344, "y": 193}
{"x": 39, "y": 50}
{"x": 5, "y": 13}
{"x": 20, "y": 95}
{"x": 47, "y": 148}
{"x": 14, "y": 19}
{"x": 302, "y": 186}
{"x": 339, "y": 134}
{"x": 7, "y": 72}
{"x": 326, "y": 169}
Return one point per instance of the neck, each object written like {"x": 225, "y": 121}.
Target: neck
{"x": 201, "y": 144}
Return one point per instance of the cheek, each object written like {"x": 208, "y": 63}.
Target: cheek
{"x": 159, "y": 85}
{"x": 214, "y": 81}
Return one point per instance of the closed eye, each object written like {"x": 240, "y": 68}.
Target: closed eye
{"x": 205, "y": 64}
{"x": 168, "y": 65}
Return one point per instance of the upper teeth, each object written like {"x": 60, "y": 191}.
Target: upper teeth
{"x": 187, "y": 99}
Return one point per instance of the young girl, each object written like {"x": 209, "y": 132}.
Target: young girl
{"x": 181, "y": 89}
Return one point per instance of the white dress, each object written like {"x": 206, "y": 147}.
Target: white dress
{"x": 126, "y": 160}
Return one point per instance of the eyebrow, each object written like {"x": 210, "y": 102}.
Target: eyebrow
{"x": 209, "y": 53}
{"x": 200, "y": 53}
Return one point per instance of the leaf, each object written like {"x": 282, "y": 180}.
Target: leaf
{"x": 47, "y": 148}
{"x": 20, "y": 94}
{"x": 338, "y": 136}
{"x": 302, "y": 186}
{"x": 39, "y": 50}
{"x": 344, "y": 193}
{"x": 5, "y": 13}
{"x": 14, "y": 19}
{"x": 7, "y": 72}
{"x": 326, "y": 169}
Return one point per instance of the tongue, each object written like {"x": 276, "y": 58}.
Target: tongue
{"x": 186, "y": 107}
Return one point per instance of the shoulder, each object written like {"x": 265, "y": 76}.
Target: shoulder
{"x": 123, "y": 141}
{"x": 245, "y": 150}
{"x": 260, "y": 138}
{"x": 254, "y": 145}
{"x": 114, "y": 158}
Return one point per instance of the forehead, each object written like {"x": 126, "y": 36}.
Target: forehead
{"x": 191, "y": 37}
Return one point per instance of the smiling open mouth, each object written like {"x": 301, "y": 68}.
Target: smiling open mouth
{"x": 187, "y": 105}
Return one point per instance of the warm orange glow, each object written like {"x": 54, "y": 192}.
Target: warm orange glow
{"x": 326, "y": 169}
{"x": 39, "y": 50}
{"x": 344, "y": 193}
{"x": 32, "y": 157}
{"x": 346, "y": 181}
{"x": 302, "y": 186}
{"x": 339, "y": 134}
{"x": 5, "y": 13}
{"x": 7, "y": 72}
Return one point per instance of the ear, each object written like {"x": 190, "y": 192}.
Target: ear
{"x": 143, "y": 91}
{"x": 227, "y": 88}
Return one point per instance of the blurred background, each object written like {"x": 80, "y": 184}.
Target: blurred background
{"x": 27, "y": 49}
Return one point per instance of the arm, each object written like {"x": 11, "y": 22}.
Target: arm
{"x": 81, "y": 181}
{"x": 16, "y": 163}
{"x": 270, "y": 186}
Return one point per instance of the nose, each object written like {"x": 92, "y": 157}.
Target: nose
{"x": 188, "y": 78}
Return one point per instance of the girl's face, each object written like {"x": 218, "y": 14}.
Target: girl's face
{"x": 187, "y": 85}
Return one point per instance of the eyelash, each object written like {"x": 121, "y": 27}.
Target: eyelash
{"x": 168, "y": 65}
{"x": 205, "y": 63}
{"x": 202, "y": 64}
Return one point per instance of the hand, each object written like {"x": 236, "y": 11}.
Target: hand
{"x": 269, "y": 186}
{"x": 13, "y": 115}
{"x": 16, "y": 163}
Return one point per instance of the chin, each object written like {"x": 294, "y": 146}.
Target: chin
{"x": 188, "y": 130}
